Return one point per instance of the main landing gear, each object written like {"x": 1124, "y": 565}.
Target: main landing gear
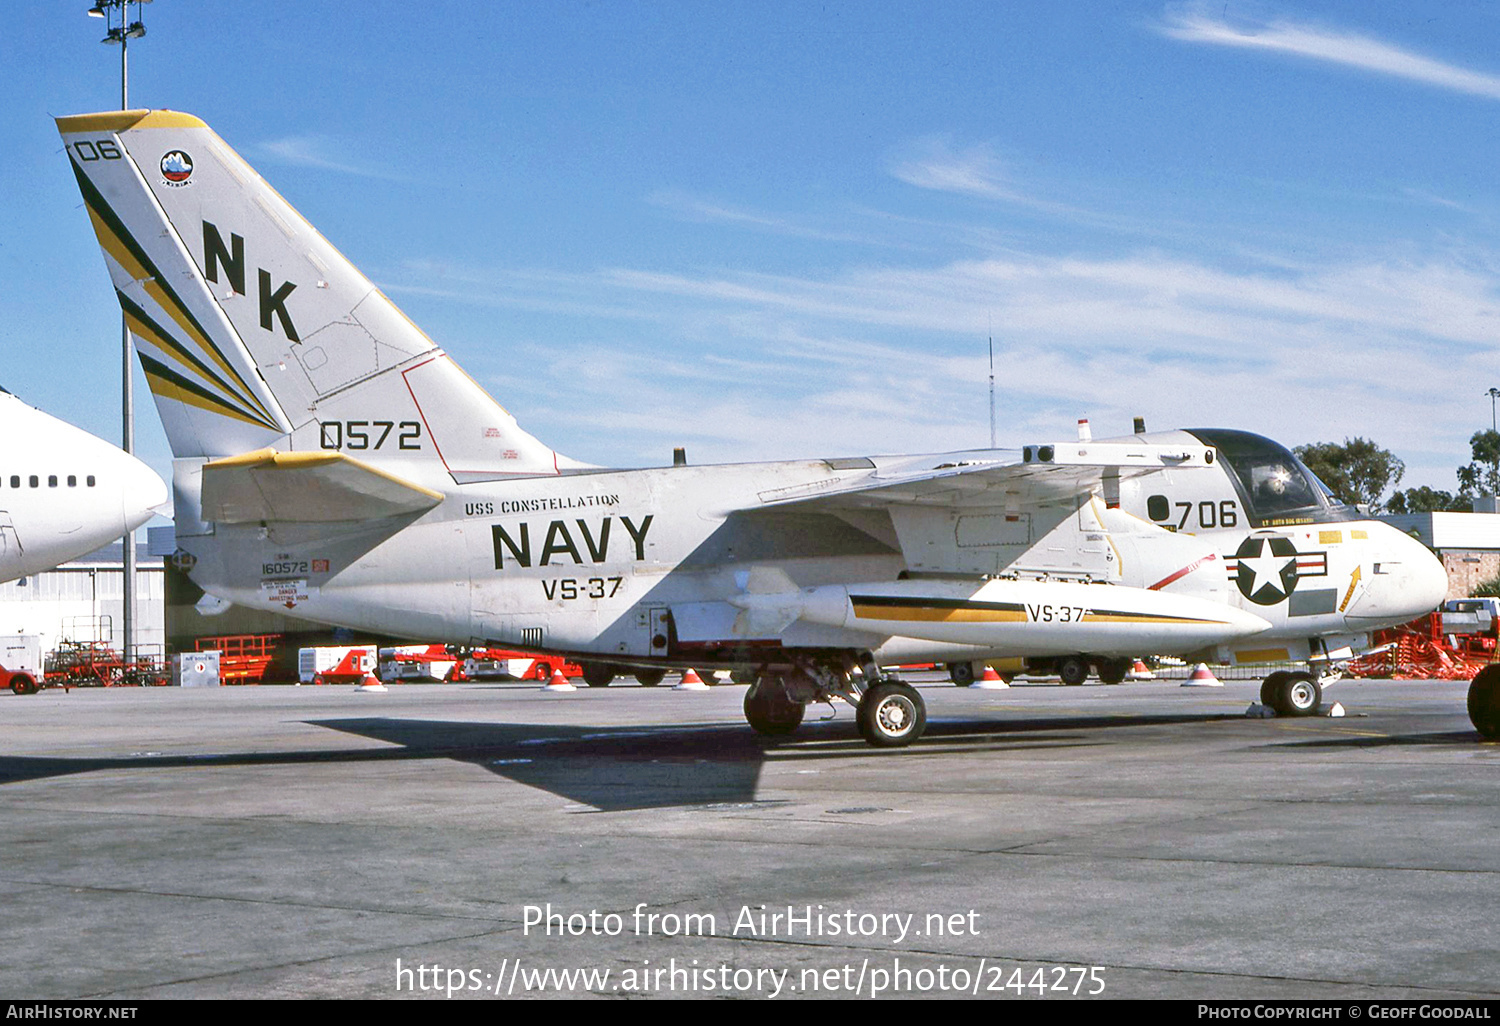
{"x": 1292, "y": 693}
{"x": 889, "y": 712}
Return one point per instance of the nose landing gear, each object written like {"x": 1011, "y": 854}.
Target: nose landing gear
{"x": 1292, "y": 693}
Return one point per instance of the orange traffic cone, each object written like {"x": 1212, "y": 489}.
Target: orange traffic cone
{"x": 371, "y": 683}
{"x": 558, "y": 683}
{"x": 1202, "y": 678}
{"x": 1140, "y": 671}
{"x": 690, "y": 681}
{"x": 990, "y": 681}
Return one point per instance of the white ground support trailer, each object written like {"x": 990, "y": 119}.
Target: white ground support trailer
{"x": 21, "y": 662}
{"x": 336, "y": 664}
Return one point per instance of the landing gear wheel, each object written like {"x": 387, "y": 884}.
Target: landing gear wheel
{"x": 1113, "y": 671}
{"x": 1073, "y": 670}
{"x": 649, "y": 678}
{"x": 891, "y": 715}
{"x": 1270, "y": 690}
{"x": 769, "y": 711}
{"x": 598, "y": 675}
{"x": 961, "y": 674}
{"x": 1484, "y": 701}
{"x": 1300, "y": 695}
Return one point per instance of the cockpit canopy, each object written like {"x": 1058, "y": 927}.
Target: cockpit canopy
{"x": 1275, "y": 486}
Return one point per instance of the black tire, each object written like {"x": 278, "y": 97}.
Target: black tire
{"x": 769, "y": 711}
{"x": 1300, "y": 695}
{"x": 23, "y": 684}
{"x": 1113, "y": 671}
{"x": 961, "y": 674}
{"x": 891, "y": 715}
{"x": 1073, "y": 670}
{"x": 1270, "y": 690}
{"x": 598, "y": 675}
{"x": 1484, "y": 701}
{"x": 650, "y": 678}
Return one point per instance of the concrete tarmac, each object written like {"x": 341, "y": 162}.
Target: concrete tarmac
{"x": 1139, "y": 841}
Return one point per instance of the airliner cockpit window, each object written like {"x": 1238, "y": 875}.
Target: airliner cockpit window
{"x": 1275, "y": 485}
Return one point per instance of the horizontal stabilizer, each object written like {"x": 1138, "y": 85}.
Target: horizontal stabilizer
{"x": 306, "y": 487}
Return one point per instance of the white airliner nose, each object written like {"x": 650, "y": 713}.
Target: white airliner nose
{"x": 144, "y": 494}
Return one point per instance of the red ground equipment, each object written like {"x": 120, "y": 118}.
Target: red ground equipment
{"x": 243, "y": 658}
{"x": 504, "y": 662}
{"x": 1453, "y": 644}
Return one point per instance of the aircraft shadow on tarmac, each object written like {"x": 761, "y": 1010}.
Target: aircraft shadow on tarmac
{"x": 1454, "y": 739}
{"x": 620, "y": 768}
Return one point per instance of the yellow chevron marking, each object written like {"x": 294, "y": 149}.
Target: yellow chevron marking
{"x": 117, "y": 249}
{"x": 1353, "y": 580}
{"x": 168, "y": 390}
{"x": 163, "y": 300}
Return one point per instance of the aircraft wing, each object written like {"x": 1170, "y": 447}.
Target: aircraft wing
{"x": 1037, "y": 475}
{"x": 306, "y": 487}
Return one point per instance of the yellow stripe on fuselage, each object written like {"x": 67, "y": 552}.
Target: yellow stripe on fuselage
{"x": 927, "y": 614}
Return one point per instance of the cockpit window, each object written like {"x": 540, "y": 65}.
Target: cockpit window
{"x": 1275, "y": 485}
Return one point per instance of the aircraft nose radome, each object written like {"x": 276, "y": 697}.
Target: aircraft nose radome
{"x": 145, "y": 494}
{"x": 1429, "y": 581}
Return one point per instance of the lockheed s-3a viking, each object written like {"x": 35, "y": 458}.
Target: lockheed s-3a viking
{"x": 331, "y": 459}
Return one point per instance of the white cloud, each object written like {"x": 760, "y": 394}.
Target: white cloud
{"x": 933, "y": 163}
{"x": 892, "y": 359}
{"x": 1194, "y": 24}
{"x": 708, "y": 212}
{"x": 315, "y": 151}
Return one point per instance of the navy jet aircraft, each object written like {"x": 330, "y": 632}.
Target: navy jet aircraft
{"x": 329, "y": 458}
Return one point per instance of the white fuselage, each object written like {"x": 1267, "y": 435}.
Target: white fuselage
{"x": 651, "y": 566}
{"x": 63, "y": 492}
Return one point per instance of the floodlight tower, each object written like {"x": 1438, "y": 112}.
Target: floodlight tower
{"x": 120, "y": 29}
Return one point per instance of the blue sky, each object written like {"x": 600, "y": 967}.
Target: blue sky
{"x": 777, "y": 230}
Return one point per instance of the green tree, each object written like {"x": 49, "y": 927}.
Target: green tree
{"x": 1488, "y": 589}
{"x": 1358, "y": 471}
{"x": 1482, "y": 475}
{"x": 1427, "y": 500}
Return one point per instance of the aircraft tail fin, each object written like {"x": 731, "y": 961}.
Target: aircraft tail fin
{"x": 254, "y": 331}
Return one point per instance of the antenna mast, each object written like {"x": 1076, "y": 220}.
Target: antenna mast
{"x": 992, "y": 391}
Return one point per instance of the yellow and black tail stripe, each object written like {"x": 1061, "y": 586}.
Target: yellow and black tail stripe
{"x": 168, "y": 384}
{"x": 118, "y": 242}
{"x": 143, "y": 326}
